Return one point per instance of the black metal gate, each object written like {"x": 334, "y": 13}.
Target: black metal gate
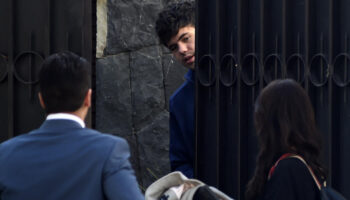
{"x": 29, "y": 32}
{"x": 244, "y": 44}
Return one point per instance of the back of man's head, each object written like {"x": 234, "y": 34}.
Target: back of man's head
{"x": 64, "y": 80}
{"x": 174, "y": 17}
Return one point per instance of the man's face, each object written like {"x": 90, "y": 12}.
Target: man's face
{"x": 182, "y": 45}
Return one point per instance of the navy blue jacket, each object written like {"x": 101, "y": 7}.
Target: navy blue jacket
{"x": 62, "y": 160}
{"x": 291, "y": 180}
{"x": 181, "y": 109}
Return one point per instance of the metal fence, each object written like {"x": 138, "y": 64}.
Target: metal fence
{"x": 242, "y": 45}
{"x": 30, "y": 31}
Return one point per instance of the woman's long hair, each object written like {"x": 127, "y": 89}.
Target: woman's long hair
{"x": 285, "y": 123}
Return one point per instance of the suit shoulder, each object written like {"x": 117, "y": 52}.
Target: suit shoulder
{"x": 14, "y": 140}
{"x": 106, "y": 136}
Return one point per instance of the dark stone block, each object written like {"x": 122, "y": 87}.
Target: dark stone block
{"x": 131, "y": 24}
{"x": 147, "y": 86}
{"x": 113, "y": 102}
{"x": 153, "y": 142}
{"x": 113, "y": 95}
{"x": 134, "y": 156}
{"x": 174, "y": 73}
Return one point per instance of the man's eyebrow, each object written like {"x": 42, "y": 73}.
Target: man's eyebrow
{"x": 182, "y": 35}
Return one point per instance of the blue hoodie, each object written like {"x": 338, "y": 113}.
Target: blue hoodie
{"x": 181, "y": 108}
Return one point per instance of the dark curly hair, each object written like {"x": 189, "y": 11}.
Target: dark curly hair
{"x": 285, "y": 123}
{"x": 172, "y": 18}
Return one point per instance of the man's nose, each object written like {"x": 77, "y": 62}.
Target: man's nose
{"x": 182, "y": 48}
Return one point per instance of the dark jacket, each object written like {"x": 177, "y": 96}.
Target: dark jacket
{"x": 181, "y": 108}
{"x": 291, "y": 180}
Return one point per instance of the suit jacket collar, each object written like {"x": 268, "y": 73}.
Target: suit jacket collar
{"x": 59, "y": 124}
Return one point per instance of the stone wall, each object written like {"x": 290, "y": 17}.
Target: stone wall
{"x": 135, "y": 77}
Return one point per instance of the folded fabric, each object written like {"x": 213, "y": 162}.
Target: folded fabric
{"x": 176, "y": 186}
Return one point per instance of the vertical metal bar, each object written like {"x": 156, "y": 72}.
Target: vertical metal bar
{"x": 306, "y": 43}
{"x": 82, "y": 47}
{"x": 321, "y": 51}
{"x": 345, "y": 65}
{"x": 92, "y": 55}
{"x": 276, "y": 60}
{"x": 284, "y": 37}
{"x": 210, "y": 66}
{"x": 48, "y": 30}
{"x": 10, "y": 66}
{"x": 239, "y": 55}
{"x": 262, "y": 43}
{"x": 31, "y": 64}
{"x": 231, "y": 64}
{"x": 321, "y": 67}
{"x": 82, "y": 50}
{"x": 253, "y": 49}
{"x": 196, "y": 90}
{"x": 253, "y": 75}
{"x": 298, "y": 63}
{"x": 330, "y": 87}
{"x": 217, "y": 95}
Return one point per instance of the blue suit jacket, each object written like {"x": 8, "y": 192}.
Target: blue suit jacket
{"x": 61, "y": 160}
{"x": 181, "y": 108}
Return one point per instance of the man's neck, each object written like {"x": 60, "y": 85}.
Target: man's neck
{"x": 79, "y": 113}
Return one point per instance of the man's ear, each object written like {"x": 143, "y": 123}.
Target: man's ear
{"x": 41, "y": 100}
{"x": 87, "y": 99}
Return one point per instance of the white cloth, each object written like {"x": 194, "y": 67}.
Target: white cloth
{"x": 66, "y": 116}
{"x": 171, "y": 186}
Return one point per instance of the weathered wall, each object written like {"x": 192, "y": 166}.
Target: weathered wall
{"x": 135, "y": 77}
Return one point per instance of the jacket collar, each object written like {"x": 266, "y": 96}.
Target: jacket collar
{"x": 190, "y": 75}
{"x": 60, "y": 124}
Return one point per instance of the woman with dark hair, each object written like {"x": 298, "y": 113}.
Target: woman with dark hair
{"x": 285, "y": 125}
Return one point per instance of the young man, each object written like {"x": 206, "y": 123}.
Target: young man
{"x": 63, "y": 159}
{"x": 175, "y": 27}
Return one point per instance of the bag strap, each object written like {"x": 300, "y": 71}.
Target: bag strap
{"x": 290, "y": 155}
{"x": 286, "y": 155}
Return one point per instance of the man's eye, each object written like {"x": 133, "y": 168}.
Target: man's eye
{"x": 173, "y": 48}
{"x": 185, "y": 39}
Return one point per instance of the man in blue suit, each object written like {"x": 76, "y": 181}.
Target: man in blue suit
{"x": 63, "y": 159}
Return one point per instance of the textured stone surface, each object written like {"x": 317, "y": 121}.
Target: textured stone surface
{"x": 147, "y": 85}
{"x": 174, "y": 74}
{"x": 113, "y": 98}
{"x": 131, "y": 24}
{"x": 134, "y": 84}
{"x": 113, "y": 102}
{"x": 101, "y": 35}
{"x": 153, "y": 142}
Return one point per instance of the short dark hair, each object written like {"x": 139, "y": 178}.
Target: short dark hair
{"x": 172, "y": 18}
{"x": 64, "y": 80}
